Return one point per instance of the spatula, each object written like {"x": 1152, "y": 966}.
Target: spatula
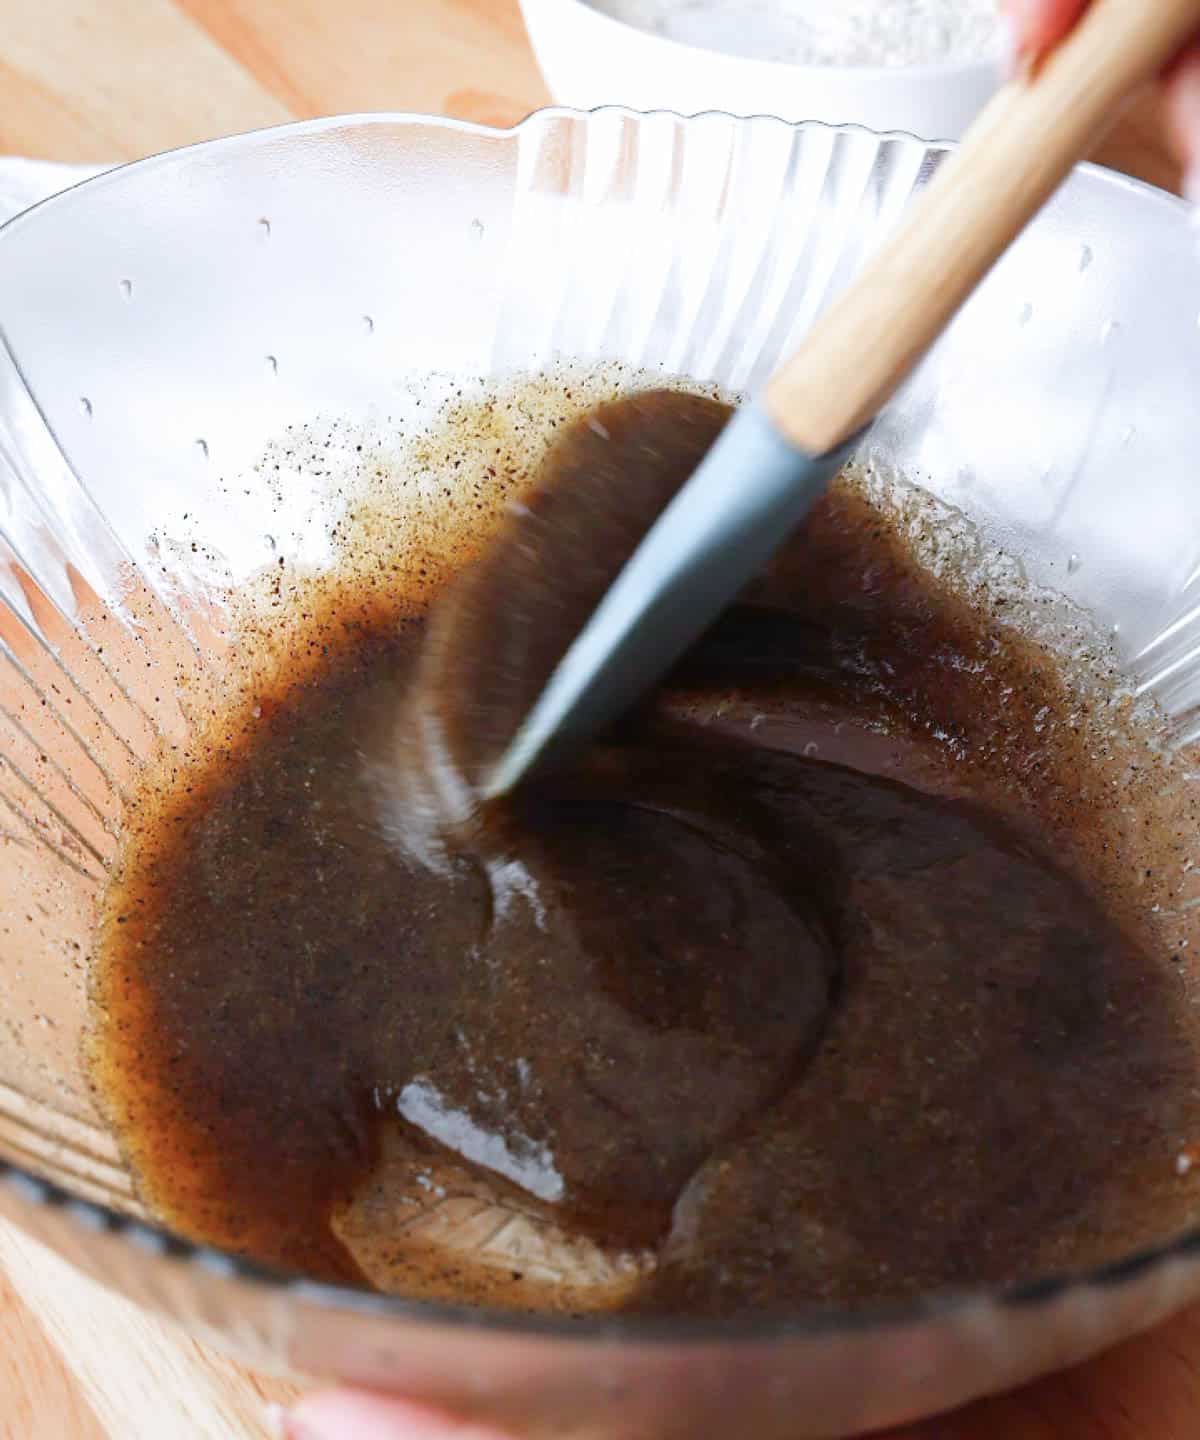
{"x": 772, "y": 462}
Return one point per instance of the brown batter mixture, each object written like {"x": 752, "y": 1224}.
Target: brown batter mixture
{"x": 796, "y": 989}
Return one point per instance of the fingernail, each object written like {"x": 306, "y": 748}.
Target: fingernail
{"x": 282, "y": 1424}
{"x": 275, "y": 1421}
{"x": 1010, "y": 46}
{"x": 1191, "y": 193}
{"x": 1017, "y": 57}
{"x": 347, "y": 1415}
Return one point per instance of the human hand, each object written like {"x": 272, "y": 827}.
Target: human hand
{"x": 1038, "y": 25}
{"x": 355, "y": 1415}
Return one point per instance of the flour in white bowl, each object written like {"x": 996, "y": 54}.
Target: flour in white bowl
{"x": 823, "y": 32}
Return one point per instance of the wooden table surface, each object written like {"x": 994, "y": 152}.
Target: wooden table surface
{"x": 96, "y": 80}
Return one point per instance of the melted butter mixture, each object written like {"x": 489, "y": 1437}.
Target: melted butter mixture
{"x": 814, "y": 982}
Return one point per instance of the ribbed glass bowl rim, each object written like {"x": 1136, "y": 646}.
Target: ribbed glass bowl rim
{"x": 156, "y": 1241}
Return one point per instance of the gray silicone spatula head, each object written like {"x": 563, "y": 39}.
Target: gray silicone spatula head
{"x": 767, "y": 467}
{"x": 748, "y": 494}
{"x": 499, "y": 634}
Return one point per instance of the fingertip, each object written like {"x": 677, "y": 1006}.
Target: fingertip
{"x": 353, "y": 1415}
{"x": 1011, "y": 54}
{"x": 1037, "y": 25}
{"x": 1183, "y": 117}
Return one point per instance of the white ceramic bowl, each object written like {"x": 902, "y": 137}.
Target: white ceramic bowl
{"x": 590, "y": 59}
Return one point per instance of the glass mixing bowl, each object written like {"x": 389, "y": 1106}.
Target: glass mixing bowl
{"x": 163, "y": 325}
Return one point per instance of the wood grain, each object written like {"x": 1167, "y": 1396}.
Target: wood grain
{"x": 40, "y": 1396}
{"x": 106, "y": 1369}
{"x": 88, "y": 81}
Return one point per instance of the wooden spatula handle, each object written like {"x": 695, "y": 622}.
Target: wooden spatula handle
{"x": 1011, "y": 161}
